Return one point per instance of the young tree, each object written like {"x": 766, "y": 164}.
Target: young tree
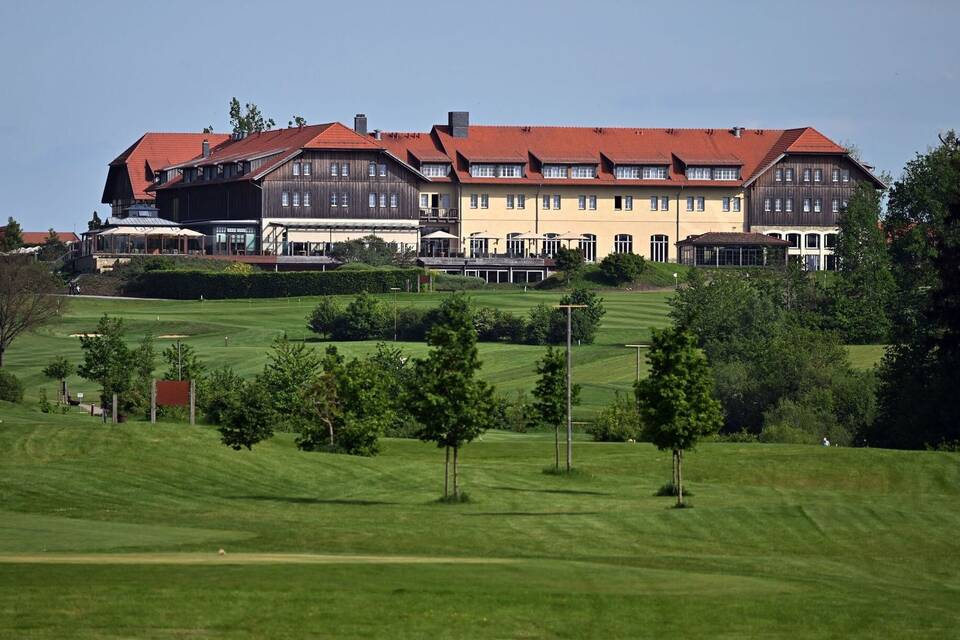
{"x": 107, "y": 360}
{"x": 550, "y": 394}
{"x": 12, "y": 235}
{"x": 182, "y": 362}
{"x": 620, "y": 268}
{"x": 865, "y": 283}
{"x": 27, "y": 299}
{"x": 451, "y": 402}
{"x": 291, "y": 368}
{"x": 325, "y": 316}
{"x": 249, "y": 119}
{"x": 569, "y": 263}
{"x": 247, "y": 417}
{"x": 675, "y": 402}
{"x": 59, "y": 369}
{"x": 95, "y": 222}
{"x": 584, "y": 322}
{"x": 297, "y": 121}
{"x": 53, "y": 247}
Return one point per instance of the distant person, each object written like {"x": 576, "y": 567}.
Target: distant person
{"x": 826, "y": 442}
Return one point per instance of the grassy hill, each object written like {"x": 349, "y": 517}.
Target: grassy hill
{"x": 601, "y": 369}
{"x": 113, "y": 531}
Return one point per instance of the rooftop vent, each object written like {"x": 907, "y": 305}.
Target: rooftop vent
{"x": 737, "y": 132}
{"x": 360, "y": 123}
{"x": 205, "y": 148}
{"x": 376, "y": 134}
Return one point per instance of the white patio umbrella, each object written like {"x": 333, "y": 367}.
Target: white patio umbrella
{"x": 439, "y": 235}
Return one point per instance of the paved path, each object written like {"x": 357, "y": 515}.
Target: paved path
{"x": 235, "y": 558}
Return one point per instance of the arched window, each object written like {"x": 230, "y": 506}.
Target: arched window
{"x": 479, "y": 247}
{"x": 623, "y": 243}
{"x": 813, "y": 241}
{"x": 778, "y": 236}
{"x": 514, "y": 245}
{"x": 794, "y": 240}
{"x": 550, "y": 244}
{"x": 588, "y": 246}
{"x": 659, "y": 248}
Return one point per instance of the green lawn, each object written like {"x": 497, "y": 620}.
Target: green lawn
{"x": 602, "y": 368}
{"x": 113, "y": 532}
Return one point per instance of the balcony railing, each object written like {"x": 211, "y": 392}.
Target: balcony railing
{"x": 437, "y": 214}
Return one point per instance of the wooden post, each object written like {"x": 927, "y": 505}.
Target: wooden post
{"x": 193, "y": 402}
{"x": 113, "y": 408}
{"x": 153, "y": 401}
{"x": 569, "y": 308}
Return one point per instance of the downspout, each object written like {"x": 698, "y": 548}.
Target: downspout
{"x": 536, "y": 210}
{"x": 677, "y": 250}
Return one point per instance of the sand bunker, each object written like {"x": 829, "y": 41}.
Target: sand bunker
{"x": 84, "y": 335}
{"x": 167, "y": 336}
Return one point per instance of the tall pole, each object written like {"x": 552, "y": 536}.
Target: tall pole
{"x": 395, "y": 290}
{"x": 569, "y": 308}
{"x": 179, "y": 361}
{"x": 638, "y": 347}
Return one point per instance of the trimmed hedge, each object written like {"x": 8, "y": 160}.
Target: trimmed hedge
{"x": 191, "y": 285}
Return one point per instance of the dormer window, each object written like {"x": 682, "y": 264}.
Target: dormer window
{"x": 483, "y": 170}
{"x": 510, "y": 170}
{"x": 726, "y": 173}
{"x": 655, "y": 173}
{"x": 699, "y": 173}
{"x": 584, "y": 171}
{"x": 554, "y": 171}
{"x": 435, "y": 169}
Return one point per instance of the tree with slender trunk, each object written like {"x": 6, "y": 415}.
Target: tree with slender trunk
{"x": 675, "y": 401}
{"x": 448, "y": 399}
{"x": 59, "y": 369}
{"x": 550, "y": 395}
{"x": 27, "y": 299}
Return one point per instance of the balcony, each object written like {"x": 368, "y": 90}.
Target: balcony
{"x": 436, "y": 214}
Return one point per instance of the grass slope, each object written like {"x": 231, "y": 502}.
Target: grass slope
{"x": 784, "y": 541}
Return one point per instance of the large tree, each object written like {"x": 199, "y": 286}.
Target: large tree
{"x": 675, "y": 401}
{"x": 11, "y": 236}
{"x": 865, "y": 284}
{"x": 919, "y": 372}
{"x": 550, "y": 394}
{"x": 248, "y": 119}
{"x": 453, "y": 405}
{"x": 53, "y": 247}
{"x": 27, "y": 299}
{"x": 108, "y": 361}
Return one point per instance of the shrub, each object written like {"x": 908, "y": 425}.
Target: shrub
{"x": 365, "y": 318}
{"x": 619, "y": 268}
{"x": 324, "y": 317}
{"x": 585, "y": 322}
{"x": 413, "y": 323}
{"x": 191, "y": 285}
{"x": 44, "y": 403}
{"x": 360, "y": 436}
{"x": 540, "y": 323}
{"x": 569, "y": 262}
{"x": 11, "y": 389}
{"x": 451, "y": 282}
{"x": 619, "y": 422}
{"x": 494, "y": 324}
{"x": 239, "y": 267}
{"x": 217, "y": 392}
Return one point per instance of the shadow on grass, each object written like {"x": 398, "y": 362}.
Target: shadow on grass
{"x": 561, "y": 491}
{"x": 534, "y": 513}
{"x": 299, "y": 500}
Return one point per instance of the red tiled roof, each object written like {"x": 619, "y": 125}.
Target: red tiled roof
{"x": 338, "y": 136}
{"x": 155, "y": 150}
{"x": 753, "y": 150}
{"x": 39, "y": 237}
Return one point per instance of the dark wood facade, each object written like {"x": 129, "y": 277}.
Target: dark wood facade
{"x": 219, "y": 201}
{"x": 827, "y": 190}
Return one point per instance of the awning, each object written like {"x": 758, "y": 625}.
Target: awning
{"x": 439, "y": 235}
{"x": 529, "y": 236}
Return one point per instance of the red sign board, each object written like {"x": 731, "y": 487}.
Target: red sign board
{"x": 173, "y": 393}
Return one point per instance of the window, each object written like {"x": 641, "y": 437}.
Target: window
{"x": 554, "y": 171}
{"x": 514, "y": 245}
{"x": 394, "y": 201}
{"x": 372, "y": 169}
{"x": 584, "y": 171}
{"x": 794, "y": 240}
{"x": 345, "y": 170}
{"x": 510, "y": 201}
{"x": 373, "y": 200}
{"x": 484, "y": 201}
{"x": 521, "y": 201}
{"x": 550, "y": 244}
{"x": 474, "y": 200}
{"x": 788, "y": 175}
{"x": 806, "y": 205}
{"x": 581, "y": 202}
{"x": 655, "y": 173}
{"x": 296, "y": 168}
{"x": 665, "y": 203}
{"x": 690, "y": 203}
{"x": 307, "y": 168}
{"x": 813, "y": 241}
{"x": 617, "y": 203}
{"x": 306, "y": 198}
{"x": 623, "y": 243}
{"x": 424, "y": 201}
{"x": 383, "y": 201}
{"x": 592, "y": 201}
{"x": 816, "y": 205}
{"x": 556, "y": 201}
{"x": 736, "y": 203}
{"x": 296, "y": 198}
{"x": 806, "y": 175}
{"x": 434, "y": 170}
{"x": 284, "y": 199}
{"x": 511, "y": 171}
{"x": 789, "y": 205}
{"x": 700, "y": 203}
{"x": 845, "y": 175}
{"x": 726, "y": 173}
{"x": 382, "y": 169}
{"x": 334, "y": 169}
{"x": 344, "y": 199}
{"x": 775, "y": 235}
{"x": 830, "y": 241}
{"x": 778, "y": 175}
{"x": 588, "y": 247}
{"x": 654, "y": 201}
{"x": 726, "y": 204}
{"x": 628, "y": 203}
{"x": 766, "y": 205}
{"x": 818, "y": 175}
{"x": 546, "y": 202}
{"x": 483, "y": 170}
{"x": 836, "y": 175}
{"x": 698, "y": 173}
{"x": 627, "y": 172}
{"x": 835, "y": 206}
{"x": 776, "y": 205}
{"x": 478, "y": 247}
{"x": 659, "y": 248}
{"x": 333, "y": 199}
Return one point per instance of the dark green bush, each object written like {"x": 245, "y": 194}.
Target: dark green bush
{"x": 191, "y": 285}
{"x": 450, "y": 282}
{"x": 11, "y": 389}
{"x": 620, "y": 268}
{"x": 365, "y": 318}
{"x": 619, "y": 422}
{"x": 324, "y": 317}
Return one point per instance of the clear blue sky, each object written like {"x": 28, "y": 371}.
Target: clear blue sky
{"x": 83, "y": 80}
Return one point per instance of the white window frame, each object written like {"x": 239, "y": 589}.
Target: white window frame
{"x": 689, "y": 203}
{"x": 306, "y": 198}
{"x": 654, "y": 203}
{"x": 296, "y": 168}
{"x": 664, "y": 203}
{"x": 484, "y": 201}
{"x": 483, "y": 170}
{"x": 556, "y": 201}
{"x": 659, "y": 248}
{"x": 582, "y": 203}
{"x": 285, "y": 199}
{"x": 628, "y": 203}
{"x": 554, "y": 171}
{"x": 474, "y": 200}
{"x": 307, "y": 169}
{"x": 726, "y": 203}
{"x": 394, "y": 201}
{"x": 545, "y": 202}
{"x": 334, "y": 169}
{"x": 382, "y": 169}
{"x": 521, "y": 201}
{"x": 510, "y": 201}
{"x": 655, "y": 172}
{"x": 383, "y": 200}
{"x": 623, "y": 243}
{"x": 372, "y": 200}
{"x": 627, "y": 172}
{"x": 736, "y": 203}
{"x": 701, "y": 203}
{"x": 333, "y": 198}
{"x": 592, "y": 203}
{"x": 344, "y": 169}
{"x": 372, "y": 170}
{"x": 807, "y": 205}
{"x": 583, "y": 172}
{"x": 296, "y": 198}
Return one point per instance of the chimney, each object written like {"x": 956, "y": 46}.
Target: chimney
{"x": 736, "y": 131}
{"x": 459, "y": 123}
{"x": 360, "y": 123}
{"x": 205, "y": 146}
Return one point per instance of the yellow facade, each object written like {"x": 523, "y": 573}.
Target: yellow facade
{"x": 641, "y": 223}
